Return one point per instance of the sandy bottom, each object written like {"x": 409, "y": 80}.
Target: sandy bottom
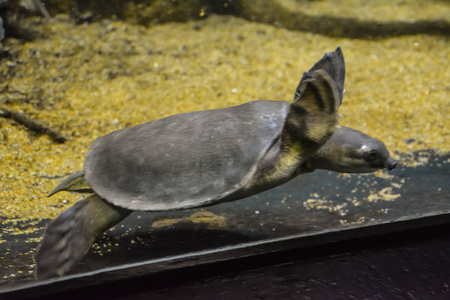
{"x": 88, "y": 80}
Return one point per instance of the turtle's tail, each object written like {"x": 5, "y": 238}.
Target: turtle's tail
{"x": 68, "y": 238}
{"x": 73, "y": 183}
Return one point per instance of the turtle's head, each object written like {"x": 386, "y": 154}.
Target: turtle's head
{"x": 351, "y": 151}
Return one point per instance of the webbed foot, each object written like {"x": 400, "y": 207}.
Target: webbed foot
{"x": 68, "y": 238}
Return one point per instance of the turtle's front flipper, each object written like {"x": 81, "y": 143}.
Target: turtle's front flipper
{"x": 311, "y": 121}
{"x": 333, "y": 63}
{"x": 68, "y": 238}
{"x": 313, "y": 117}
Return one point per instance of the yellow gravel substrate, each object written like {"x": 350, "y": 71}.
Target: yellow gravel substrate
{"x": 101, "y": 77}
{"x": 379, "y": 10}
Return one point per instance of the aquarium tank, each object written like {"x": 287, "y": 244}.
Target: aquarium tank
{"x": 73, "y": 71}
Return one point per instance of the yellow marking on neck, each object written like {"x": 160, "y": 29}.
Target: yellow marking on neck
{"x": 288, "y": 163}
{"x": 290, "y": 158}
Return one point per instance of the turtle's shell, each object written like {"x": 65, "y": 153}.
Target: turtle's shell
{"x": 187, "y": 160}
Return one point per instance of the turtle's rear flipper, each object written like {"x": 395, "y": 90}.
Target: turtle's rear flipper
{"x": 68, "y": 238}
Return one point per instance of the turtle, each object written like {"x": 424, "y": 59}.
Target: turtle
{"x": 203, "y": 158}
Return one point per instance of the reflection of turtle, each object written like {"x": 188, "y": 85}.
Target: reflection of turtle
{"x": 207, "y": 157}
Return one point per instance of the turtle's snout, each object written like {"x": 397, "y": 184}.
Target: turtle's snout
{"x": 391, "y": 164}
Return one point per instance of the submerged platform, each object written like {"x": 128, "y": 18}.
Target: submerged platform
{"x": 321, "y": 210}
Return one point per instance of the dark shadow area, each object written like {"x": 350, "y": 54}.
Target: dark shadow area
{"x": 380, "y": 267}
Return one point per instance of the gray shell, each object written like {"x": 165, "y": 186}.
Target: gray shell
{"x": 186, "y": 160}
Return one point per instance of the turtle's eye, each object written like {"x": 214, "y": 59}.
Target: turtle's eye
{"x": 373, "y": 154}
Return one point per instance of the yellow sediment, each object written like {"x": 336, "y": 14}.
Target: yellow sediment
{"x": 380, "y": 10}
{"x": 212, "y": 220}
{"x": 88, "y": 80}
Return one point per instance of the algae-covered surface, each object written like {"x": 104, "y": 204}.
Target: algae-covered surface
{"x": 87, "y": 80}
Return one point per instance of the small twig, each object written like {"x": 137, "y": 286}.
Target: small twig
{"x": 42, "y": 9}
{"x": 32, "y": 125}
